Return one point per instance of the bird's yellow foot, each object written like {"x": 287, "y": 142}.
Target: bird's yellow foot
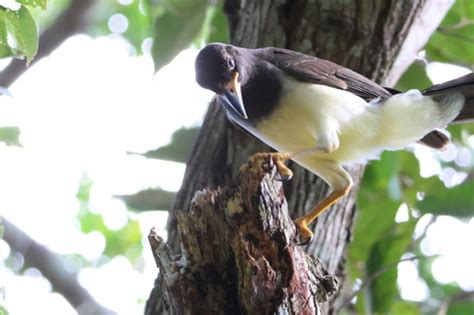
{"x": 278, "y": 159}
{"x": 304, "y": 233}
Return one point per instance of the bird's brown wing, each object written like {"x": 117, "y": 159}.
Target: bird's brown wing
{"x": 319, "y": 71}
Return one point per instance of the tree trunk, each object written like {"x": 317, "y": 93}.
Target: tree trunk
{"x": 368, "y": 37}
{"x": 238, "y": 253}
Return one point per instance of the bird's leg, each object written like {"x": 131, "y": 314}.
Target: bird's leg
{"x": 340, "y": 182}
{"x": 305, "y": 234}
{"x": 332, "y": 173}
{"x": 327, "y": 137}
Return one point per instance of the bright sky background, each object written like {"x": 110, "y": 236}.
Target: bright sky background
{"x": 80, "y": 110}
{"x": 79, "y": 113}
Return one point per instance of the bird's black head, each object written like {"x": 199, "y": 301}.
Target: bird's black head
{"x": 214, "y": 67}
{"x": 219, "y": 69}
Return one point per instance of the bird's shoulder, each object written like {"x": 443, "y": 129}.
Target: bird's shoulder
{"x": 315, "y": 70}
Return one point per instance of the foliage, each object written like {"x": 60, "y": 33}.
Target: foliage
{"x": 10, "y": 135}
{"x": 458, "y": 201}
{"x": 182, "y": 23}
{"x": 19, "y": 26}
{"x": 390, "y": 186}
{"x": 150, "y": 199}
{"x": 138, "y": 15}
{"x": 457, "y": 29}
{"x": 124, "y": 241}
{"x": 178, "y": 148}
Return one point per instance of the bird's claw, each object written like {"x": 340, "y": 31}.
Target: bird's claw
{"x": 279, "y": 160}
{"x": 305, "y": 235}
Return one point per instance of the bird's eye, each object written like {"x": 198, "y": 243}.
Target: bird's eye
{"x": 231, "y": 64}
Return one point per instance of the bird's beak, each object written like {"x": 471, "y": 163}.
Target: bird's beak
{"x": 232, "y": 97}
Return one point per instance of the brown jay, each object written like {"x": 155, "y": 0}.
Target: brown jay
{"x": 323, "y": 115}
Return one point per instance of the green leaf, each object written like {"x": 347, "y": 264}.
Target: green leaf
{"x": 459, "y": 51}
{"x": 150, "y": 199}
{"x": 5, "y": 49}
{"x": 10, "y": 135}
{"x": 179, "y": 147}
{"x": 219, "y": 28}
{"x": 140, "y": 16}
{"x": 461, "y": 132}
{"x": 176, "y": 30}
{"x": 140, "y": 24}
{"x": 22, "y": 27}
{"x": 405, "y": 308}
{"x": 146, "y": 7}
{"x": 457, "y": 201}
{"x": 378, "y": 174}
{"x": 215, "y": 28}
{"x": 454, "y": 40}
{"x": 3, "y": 311}
{"x": 386, "y": 184}
{"x": 84, "y": 191}
{"x": 388, "y": 250}
{"x": 34, "y": 3}
{"x": 415, "y": 77}
{"x": 125, "y": 240}
{"x": 461, "y": 308}
{"x": 376, "y": 209}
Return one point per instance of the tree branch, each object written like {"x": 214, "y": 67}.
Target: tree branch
{"x": 461, "y": 296}
{"x": 424, "y": 26}
{"x": 52, "y": 268}
{"x": 375, "y": 275}
{"x": 72, "y": 20}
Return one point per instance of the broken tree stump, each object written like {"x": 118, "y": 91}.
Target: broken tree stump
{"x": 239, "y": 255}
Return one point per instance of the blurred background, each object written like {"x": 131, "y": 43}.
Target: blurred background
{"x": 94, "y": 136}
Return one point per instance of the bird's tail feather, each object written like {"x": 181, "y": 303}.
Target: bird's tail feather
{"x": 435, "y": 139}
{"x": 411, "y": 117}
{"x": 464, "y": 86}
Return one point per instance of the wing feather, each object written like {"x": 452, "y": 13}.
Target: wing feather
{"x": 319, "y": 71}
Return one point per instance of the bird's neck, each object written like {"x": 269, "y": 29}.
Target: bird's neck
{"x": 262, "y": 90}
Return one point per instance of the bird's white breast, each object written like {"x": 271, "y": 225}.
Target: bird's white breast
{"x": 309, "y": 115}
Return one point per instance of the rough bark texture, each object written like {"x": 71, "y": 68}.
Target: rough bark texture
{"x": 248, "y": 262}
{"x": 366, "y": 36}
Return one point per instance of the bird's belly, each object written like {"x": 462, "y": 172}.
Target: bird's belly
{"x": 295, "y": 137}
{"x": 309, "y": 113}
{"x": 286, "y": 135}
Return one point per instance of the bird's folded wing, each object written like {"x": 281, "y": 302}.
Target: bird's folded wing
{"x": 319, "y": 71}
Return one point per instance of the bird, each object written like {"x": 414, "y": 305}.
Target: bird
{"x": 325, "y": 116}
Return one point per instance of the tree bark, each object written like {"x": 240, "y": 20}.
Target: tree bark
{"x": 238, "y": 253}
{"x": 366, "y": 36}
